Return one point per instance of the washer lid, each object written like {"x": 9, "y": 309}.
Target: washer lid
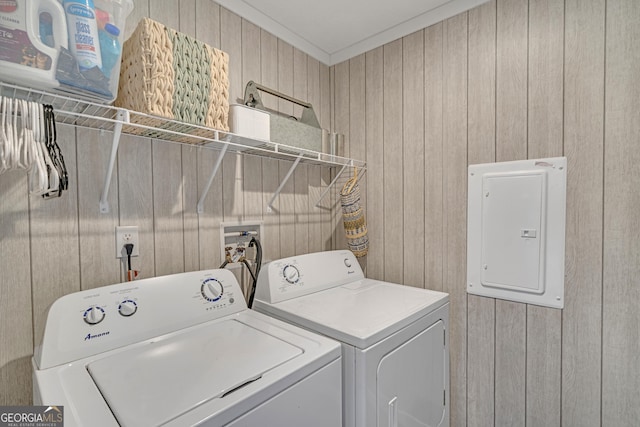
{"x": 161, "y": 380}
{"x": 360, "y": 313}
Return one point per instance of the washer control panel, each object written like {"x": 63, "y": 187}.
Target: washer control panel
{"x": 97, "y": 320}
{"x": 296, "y": 276}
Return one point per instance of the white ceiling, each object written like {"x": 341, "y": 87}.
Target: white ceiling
{"x": 335, "y": 30}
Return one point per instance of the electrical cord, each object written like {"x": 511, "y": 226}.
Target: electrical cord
{"x": 258, "y": 246}
{"x": 246, "y": 263}
{"x": 129, "y": 248}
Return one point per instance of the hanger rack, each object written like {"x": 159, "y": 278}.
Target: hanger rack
{"x": 80, "y": 113}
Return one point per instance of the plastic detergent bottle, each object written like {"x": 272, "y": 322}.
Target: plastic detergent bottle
{"x": 31, "y": 32}
{"x": 83, "y": 33}
{"x": 110, "y": 47}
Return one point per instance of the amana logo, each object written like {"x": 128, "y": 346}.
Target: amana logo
{"x": 91, "y": 337}
{"x": 80, "y": 10}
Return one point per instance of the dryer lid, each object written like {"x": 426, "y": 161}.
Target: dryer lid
{"x": 360, "y": 313}
{"x": 156, "y": 382}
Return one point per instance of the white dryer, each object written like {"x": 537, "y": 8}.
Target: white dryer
{"x": 182, "y": 350}
{"x": 395, "y": 346}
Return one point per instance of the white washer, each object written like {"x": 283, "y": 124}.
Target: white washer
{"x": 395, "y": 345}
{"x": 182, "y": 350}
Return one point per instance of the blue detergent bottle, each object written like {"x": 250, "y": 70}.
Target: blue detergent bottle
{"x": 83, "y": 33}
{"x": 109, "y": 47}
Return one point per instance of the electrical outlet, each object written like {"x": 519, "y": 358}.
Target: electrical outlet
{"x": 124, "y": 235}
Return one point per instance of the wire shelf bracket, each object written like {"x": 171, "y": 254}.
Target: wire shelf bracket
{"x": 203, "y": 196}
{"x": 122, "y": 117}
{"x": 284, "y": 181}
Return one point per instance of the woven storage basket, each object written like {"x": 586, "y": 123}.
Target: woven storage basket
{"x": 355, "y": 225}
{"x": 169, "y": 74}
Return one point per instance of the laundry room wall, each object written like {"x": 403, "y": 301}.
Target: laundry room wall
{"x": 49, "y": 248}
{"x": 511, "y": 80}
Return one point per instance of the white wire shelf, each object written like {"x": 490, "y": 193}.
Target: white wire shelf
{"x": 80, "y": 113}
{"x": 86, "y": 114}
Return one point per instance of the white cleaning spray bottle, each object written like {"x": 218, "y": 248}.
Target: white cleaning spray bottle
{"x": 24, "y": 57}
{"x": 83, "y": 33}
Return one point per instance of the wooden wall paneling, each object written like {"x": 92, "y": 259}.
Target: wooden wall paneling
{"x": 511, "y": 144}
{"x": 135, "y": 199}
{"x": 301, "y": 175}
{"x": 166, "y": 12}
{"x": 583, "y": 147}
{"x": 333, "y": 192}
{"x": 481, "y": 149}
{"x": 207, "y": 22}
{"x": 98, "y": 263}
{"x": 190, "y": 197}
{"x": 314, "y": 172}
{"x": 326, "y": 173}
{"x": 270, "y": 182}
{"x": 55, "y": 258}
{"x": 511, "y": 80}
{"x": 482, "y": 84}
{"x": 546, "y": 56}
{"x": 545, "y": 104}
{"x": 413, "y": 158}
{"x": 140, "y": 10}
{"x": 232, "y": 165}
{"x": 455, "y": 200}
{"x": 209, "y": 220}
{"x": 270, "y": 174}
{"x": 374, "y": 132}
{"x": 269, "y": 67}
{"x": 285, "y": 205}
{"x": 187, "y": 15}
{"x": 285, "y": 76}
{"x": 357, "y": 129}
{"x": 621, "y": 317}
{"x": 393, "y": 158}
{"x": 341, "y": 125}
{"x": 301, "y": 209}
{"x": 16, "y": 327}
{"x": 434, "y": 155}
{"x": 544, "y": 360}
{"x": 285, "y": 202}
{"x": 510, "y": 362}
{"x": 167, "y": 207}
{"x": 207, "y": 26}
{"x": 167, "y": 177}
{"x": 231, "y": 43}
{"x": 251, "y": 70}
{"x": 315, "y": 214}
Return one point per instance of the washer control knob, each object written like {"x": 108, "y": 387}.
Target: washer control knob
{"x": 291, "y": 273}
{"x": 211, "y": 290}
{"x": 127, "y": 308}
{"x": 94, "y": 315}
{"x": 347, "y": 262}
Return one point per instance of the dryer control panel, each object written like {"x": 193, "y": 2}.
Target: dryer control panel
{"x": 101, "y": 319}
{"x": 296, "y": 276}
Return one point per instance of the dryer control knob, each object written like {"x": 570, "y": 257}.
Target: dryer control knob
{"x": 211, "y": 290}
{"x": 127, "y": 308}
{"x": 93, "y": 315}
{"x": 291, "y": 274}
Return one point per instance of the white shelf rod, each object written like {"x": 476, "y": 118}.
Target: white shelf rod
{"x": 284, "y": 181}
{"x": 326, "y": 190}
{"x": 200, "y": 207}
{"x": 122, "y": 117}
